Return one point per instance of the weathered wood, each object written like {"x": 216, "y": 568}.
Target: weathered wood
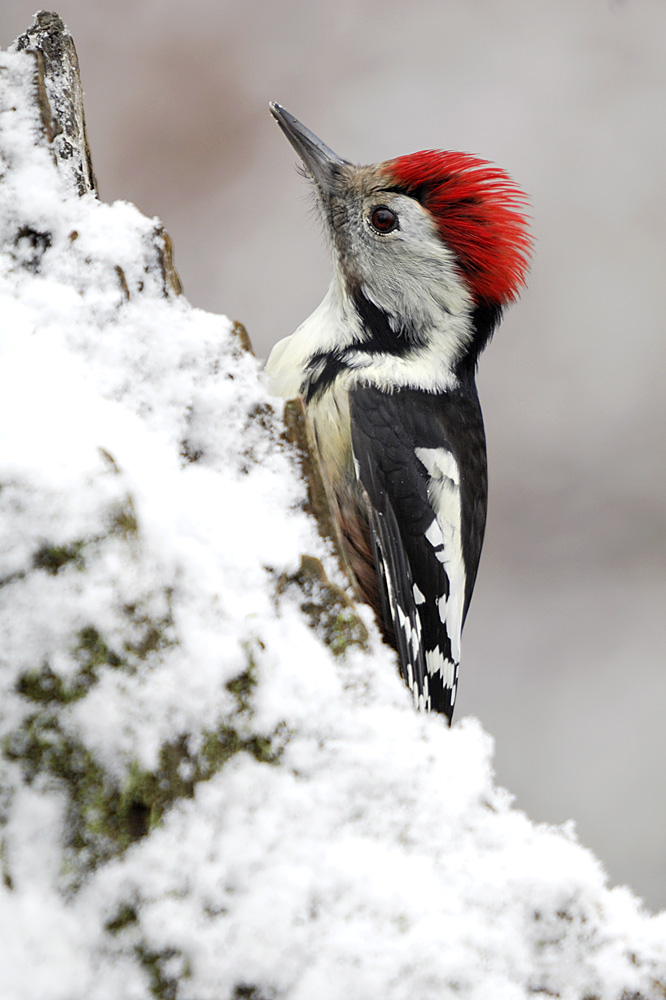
{"x": 59, "y": 99}
{"x": 60, "y": 96}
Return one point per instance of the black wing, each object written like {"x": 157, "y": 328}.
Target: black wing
{"x": 421, "y": 461}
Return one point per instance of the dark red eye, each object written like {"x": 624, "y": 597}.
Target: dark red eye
{"x": 383, "y": 219}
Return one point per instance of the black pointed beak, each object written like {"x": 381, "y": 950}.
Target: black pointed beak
{"x": 321, "y": 163}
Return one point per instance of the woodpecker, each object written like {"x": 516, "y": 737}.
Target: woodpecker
{"x": 427, "y": 251}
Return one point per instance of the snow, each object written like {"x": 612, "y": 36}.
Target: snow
{"x": 340, "y": 844}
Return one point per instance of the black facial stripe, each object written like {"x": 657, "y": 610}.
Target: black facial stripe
{"x": 327, "y": 365}
{"x": 381, "y": 338}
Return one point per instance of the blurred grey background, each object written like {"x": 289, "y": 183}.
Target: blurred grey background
{"x": 565, "y": 646}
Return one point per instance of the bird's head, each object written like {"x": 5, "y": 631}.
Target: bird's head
{"x": 429, "y": 234}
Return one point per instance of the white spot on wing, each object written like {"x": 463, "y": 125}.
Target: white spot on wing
{"x": 419, "y": 597}
{"x": 412, "y": 632}
{"x": 434, "y": 534}
{"x": 437, "y": 663}
{"x": 445, "y": 534}
{"x": 440, "y": 463}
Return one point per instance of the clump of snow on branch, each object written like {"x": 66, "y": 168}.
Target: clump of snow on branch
{"x": 198, "y": 799}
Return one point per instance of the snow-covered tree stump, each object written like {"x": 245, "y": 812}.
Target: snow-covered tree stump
{"x": 213, "y": 785}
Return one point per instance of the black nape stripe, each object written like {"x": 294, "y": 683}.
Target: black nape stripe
{"x": 485, "y": 318}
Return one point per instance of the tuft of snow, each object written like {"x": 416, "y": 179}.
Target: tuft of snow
{"x": 333, "y": 842}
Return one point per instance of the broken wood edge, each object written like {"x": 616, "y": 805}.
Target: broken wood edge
{"x": 60, "y": 96}
{"x": 59, "y": 99}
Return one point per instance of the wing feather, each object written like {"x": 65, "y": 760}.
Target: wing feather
{"x": 421, "y": 521}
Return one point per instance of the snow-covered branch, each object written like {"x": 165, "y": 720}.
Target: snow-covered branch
{"x": 213, "y": 784}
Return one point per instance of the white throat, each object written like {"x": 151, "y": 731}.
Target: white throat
{"x": 335, "y": 329}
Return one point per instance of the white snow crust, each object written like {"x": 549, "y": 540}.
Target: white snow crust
{"x": 374, "y": 857}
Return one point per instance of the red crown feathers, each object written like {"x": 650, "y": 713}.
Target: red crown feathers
{"x": 480, "y": 214}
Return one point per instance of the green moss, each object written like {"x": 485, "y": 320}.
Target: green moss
{"x": 5, "y": 876}
{"x": 219, "y": 746}
{"x": 247, "y": 991}
{"x": 165, "y": 970}
{"x": 95, "y": 830}
{"x": 153, "y": 634}
{"x": 343, "y": 630}
{"x": 101, "y": 818}
{"x": 44, "y": 686}
{"x": 40, "y": 747}
{"x": 242, "y": 686}
{"x": 125, "y": 917}
{"x": 330, "y": 611}
{"x": 53, "y": 557}
{"x": 105, "y": 817}
{"x": 123, "y": 519}
{"x": 91, "y": 651}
